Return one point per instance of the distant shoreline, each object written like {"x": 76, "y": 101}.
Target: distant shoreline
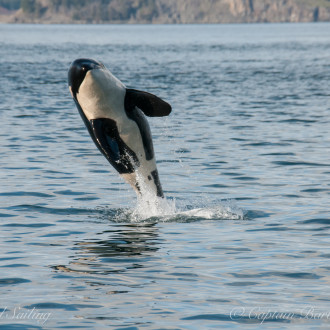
{"x": 163, "y": 24}
{"x": 164, "y": 11}
{"x": 157, "y": 24}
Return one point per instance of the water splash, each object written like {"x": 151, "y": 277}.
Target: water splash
{"x": 150, "y": 207}
{"x": 223, "y": 210}
{"x": 157, "y": 209}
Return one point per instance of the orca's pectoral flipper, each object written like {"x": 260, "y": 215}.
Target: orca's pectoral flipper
{"x": 107, "y": 139}
{"x": 150, "y": 104}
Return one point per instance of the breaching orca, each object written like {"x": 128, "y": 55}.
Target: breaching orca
{"x": 114, "y": 117}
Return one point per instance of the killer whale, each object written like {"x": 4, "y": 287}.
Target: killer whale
{"x": 115, "y": 119}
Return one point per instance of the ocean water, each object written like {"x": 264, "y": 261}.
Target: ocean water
{"x": 242, "y": 239}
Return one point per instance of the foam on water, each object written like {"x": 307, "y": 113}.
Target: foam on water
{"x": 166, "y": 210}
{"x": 224, "y": 211}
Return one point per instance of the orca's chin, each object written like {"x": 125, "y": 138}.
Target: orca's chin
{"x": 77, "y": 73}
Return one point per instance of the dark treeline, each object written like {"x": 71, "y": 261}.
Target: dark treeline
{"x": 10, "y": 4}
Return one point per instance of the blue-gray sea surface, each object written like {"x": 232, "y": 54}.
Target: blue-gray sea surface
{"x": 244, "y": 160}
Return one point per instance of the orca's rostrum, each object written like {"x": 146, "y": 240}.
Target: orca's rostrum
{"x": 114, "y": 117}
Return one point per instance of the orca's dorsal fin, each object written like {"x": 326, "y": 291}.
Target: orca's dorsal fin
{"x": 150, "y": 104}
